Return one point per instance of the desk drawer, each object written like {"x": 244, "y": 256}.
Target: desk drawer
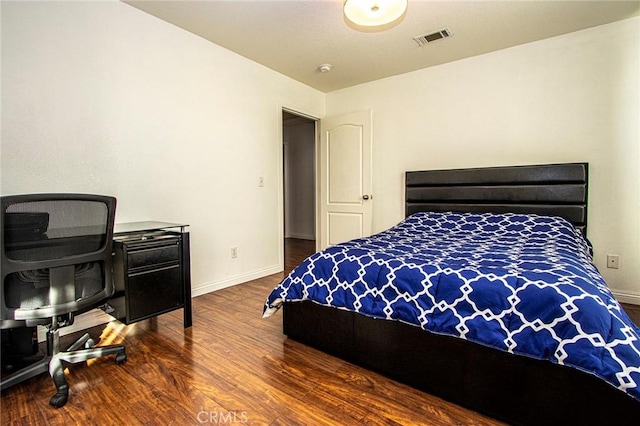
{"x": 154, "y": 292}
{"x": 149, "y": 275}
{"x": 150, "y": 255}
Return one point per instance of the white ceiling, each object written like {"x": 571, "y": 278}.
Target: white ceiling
{"x": 294, "y": 37}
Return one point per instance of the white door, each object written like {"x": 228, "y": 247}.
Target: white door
{"x": 345, "y": 178}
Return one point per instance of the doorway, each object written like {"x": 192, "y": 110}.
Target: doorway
{"x": 299, "y": 174}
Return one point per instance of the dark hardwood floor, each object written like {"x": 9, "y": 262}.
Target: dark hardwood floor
{"x": 232, "y": 366}
{"x": 633, "y": 311}
{"x": 297, "y": 250}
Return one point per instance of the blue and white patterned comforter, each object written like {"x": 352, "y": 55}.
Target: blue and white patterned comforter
{"x": 524, "y": 284}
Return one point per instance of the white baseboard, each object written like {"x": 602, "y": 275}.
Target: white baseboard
{"x": 622, "y": 297}
{"x": 630, "y": 298}
{"x": 208, "y": 288}
{"x": 82, "y": 322}
{"x": 97, "y": 317}
{"x": 301, "y": 236}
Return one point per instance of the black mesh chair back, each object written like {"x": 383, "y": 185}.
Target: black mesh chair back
{"x": 48, "y": 241}
{"x": 56, "y": 252}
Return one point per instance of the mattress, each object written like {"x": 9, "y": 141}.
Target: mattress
{"x": 524, "y": 284}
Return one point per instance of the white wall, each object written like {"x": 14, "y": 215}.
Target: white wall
{"x": 566, "y": 99}
{"x": 100, "y": 97}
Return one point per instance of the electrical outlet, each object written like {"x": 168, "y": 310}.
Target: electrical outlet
{"x": 234, "y": 252}
{"x": 613, "y": 261}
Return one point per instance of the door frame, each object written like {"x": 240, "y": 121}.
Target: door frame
{"x": 302, "y": 112}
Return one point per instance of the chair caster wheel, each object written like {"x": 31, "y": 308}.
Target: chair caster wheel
{"x": 121, "y": 358}
{"x": 59, "y": 399}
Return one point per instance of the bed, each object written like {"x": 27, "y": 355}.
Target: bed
{"x": 484, "y": 295}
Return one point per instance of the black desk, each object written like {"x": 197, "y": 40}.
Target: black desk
{"x": 151, "y": 271}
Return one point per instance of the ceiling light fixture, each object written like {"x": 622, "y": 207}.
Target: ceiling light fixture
{"x": 374, "y": 15}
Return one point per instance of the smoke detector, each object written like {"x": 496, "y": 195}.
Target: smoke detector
{"x": 433, "y": 36}
{"x": 325, "y": 67}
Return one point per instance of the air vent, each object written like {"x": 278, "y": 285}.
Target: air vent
{"x": 431, "y": 37}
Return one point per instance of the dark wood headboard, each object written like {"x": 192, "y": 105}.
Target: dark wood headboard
{"x": 549, "y": 189}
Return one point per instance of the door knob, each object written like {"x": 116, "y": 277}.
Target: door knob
{"x": 366, "y": 197}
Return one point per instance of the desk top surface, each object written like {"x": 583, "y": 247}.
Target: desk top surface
{"x": 146, "y": 226}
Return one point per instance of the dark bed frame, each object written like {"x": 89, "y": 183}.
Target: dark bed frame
{"x": 515, "y": 389}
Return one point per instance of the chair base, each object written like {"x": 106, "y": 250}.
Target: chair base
{"x": 53, "y": 363}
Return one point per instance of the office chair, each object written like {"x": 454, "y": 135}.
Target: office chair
{"x": 56, "y": 263}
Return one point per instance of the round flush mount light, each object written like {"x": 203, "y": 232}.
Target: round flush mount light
{"x": 325, "y": 67}
{"x": 374, "y": 15}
